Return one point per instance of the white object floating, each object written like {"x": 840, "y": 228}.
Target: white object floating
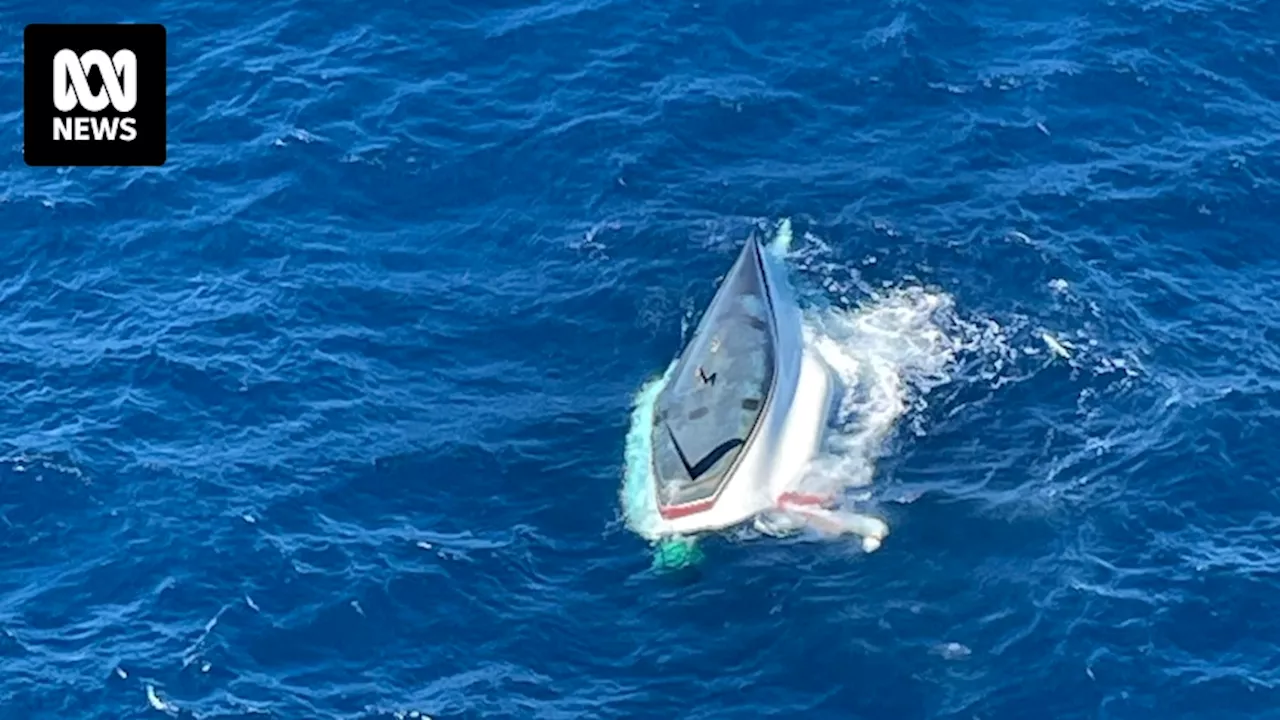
{"x": 953, "y": 651}
{"x": 1054, "y": 345}
{"x": 155, "y": 700}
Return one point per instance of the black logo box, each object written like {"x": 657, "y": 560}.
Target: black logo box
{"x": 41, "y": 42}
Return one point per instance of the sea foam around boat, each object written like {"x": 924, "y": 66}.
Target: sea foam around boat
{"x": 888, "y": 352}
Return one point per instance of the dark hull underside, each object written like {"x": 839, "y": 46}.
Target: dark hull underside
{"x": 705, "y": 415}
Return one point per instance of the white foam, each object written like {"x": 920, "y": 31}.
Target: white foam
{"x": 888, "y": 352}
{"x": 638, "y": 505}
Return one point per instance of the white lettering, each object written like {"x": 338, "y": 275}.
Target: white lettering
{"x": 104, "y": 127}
{"x": 95, "y": 128}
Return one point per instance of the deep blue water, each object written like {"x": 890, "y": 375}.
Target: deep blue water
{"x": 325, "y": 418}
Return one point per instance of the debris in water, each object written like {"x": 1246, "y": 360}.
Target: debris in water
{"x": 123, "y": 675}
{"x": 252, "y": 604}
{"x": 1054, "y": 345}
{"x": 952, "y": 651}
{"x": 156, "y": 702}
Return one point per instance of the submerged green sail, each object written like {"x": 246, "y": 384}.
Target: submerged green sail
{"x": 677, "y": 553}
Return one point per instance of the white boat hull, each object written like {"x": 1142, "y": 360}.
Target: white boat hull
{"x": 732, "y": 430}
{"x": 764, "y": 477}
{"x": 772, "y": 466}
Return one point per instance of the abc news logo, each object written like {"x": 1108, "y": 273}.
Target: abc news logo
{"x": 71, "y": 90}
{"x": 107, "y": 105}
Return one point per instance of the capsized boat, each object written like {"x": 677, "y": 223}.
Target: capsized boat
{"x": 744, "y": 411}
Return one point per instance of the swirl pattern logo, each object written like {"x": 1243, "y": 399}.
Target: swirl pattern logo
{"x": 71, "y": 80}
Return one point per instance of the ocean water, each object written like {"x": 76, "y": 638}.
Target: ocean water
{"x": 326, "y": 418}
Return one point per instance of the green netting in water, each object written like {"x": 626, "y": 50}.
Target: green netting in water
{"x": 676, "y": 553}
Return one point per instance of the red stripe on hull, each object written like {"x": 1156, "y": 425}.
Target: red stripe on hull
{"x": 671, "y": 512}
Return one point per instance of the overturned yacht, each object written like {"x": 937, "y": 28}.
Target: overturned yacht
{"x": 743, "y": 412}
